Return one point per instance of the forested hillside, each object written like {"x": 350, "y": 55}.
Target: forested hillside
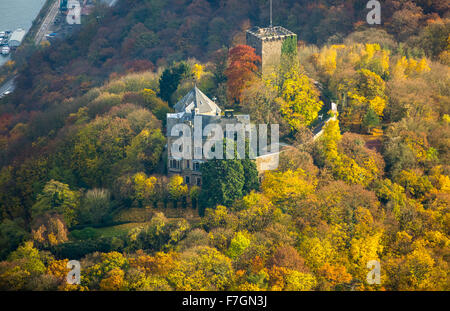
{"x": 83, "y": 162}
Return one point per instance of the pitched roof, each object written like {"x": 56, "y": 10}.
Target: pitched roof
{"x": 195, "y": 99}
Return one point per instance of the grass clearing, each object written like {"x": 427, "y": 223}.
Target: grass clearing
{"x": 119, "y": 230}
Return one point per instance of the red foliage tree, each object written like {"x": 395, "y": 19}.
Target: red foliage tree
{"x": 242, "y": 68}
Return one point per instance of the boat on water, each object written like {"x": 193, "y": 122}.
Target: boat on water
{"x": 10, "y": 40}
{"x": 6, "y": 50}
{"x": 5, "y": 34}
{"x": 4, "y": 37}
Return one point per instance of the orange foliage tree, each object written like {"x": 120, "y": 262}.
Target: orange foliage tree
{"x": 242, "y": 68}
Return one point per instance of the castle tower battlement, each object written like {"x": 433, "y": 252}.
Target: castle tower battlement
{"x": 268, "y": 44}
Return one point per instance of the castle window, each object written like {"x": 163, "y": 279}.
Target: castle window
{"x": 196, "y": 166}
{"x": 199, "y": 181}
{"x": 174, "y": 164}
{"x": 187, "y": 180}
{"x": 188, "y": 163}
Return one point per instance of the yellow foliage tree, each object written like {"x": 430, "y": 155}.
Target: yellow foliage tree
{"x": 422, "y": 66}
{"x": 344, "y": 167}
{"x": 299, "y": 103}
{"x": 284, "y": 188}
{"x": 364, "y": 248}
{"x": 198, "y": 72}
{"x": 327, "y": 60}
{"x": 378, "y": 104}
{"x": 144, "y": 188}
{"x": 371, "y": 49}
{"x": 114, "y": 281}
{"x": 177, "y": 188}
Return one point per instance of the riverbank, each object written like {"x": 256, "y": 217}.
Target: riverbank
{"x": 34, "y": 40}
{"x": 20, "y": 14}
{"x": 10, "y": 68}
{"x": 39, "y": 20}
{"x": 48, "y": 19}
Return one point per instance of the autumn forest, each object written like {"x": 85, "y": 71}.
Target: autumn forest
{"x": 83, "y": 151}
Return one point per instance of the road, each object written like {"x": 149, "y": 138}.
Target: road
{"x": 7, "y": 86}
{"x": 48, "y": 21}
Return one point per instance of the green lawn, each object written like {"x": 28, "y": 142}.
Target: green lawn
{"x": 139, "y": 217}
{"x": 118, "y": 230}
{"x": 134, "y": 215}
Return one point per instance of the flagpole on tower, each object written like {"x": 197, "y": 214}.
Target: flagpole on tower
{"x": 271, "y": 24}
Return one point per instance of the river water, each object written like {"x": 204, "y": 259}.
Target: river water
{"x": 18, "y": 14}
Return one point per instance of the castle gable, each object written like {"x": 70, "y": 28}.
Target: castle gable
{"x": 196, "y": 101}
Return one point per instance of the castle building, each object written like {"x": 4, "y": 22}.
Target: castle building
{"x": 268, "y": 43}
{"x": 195, "y": 104}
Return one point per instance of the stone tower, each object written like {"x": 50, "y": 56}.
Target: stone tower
{"x": 268, "y": 43}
